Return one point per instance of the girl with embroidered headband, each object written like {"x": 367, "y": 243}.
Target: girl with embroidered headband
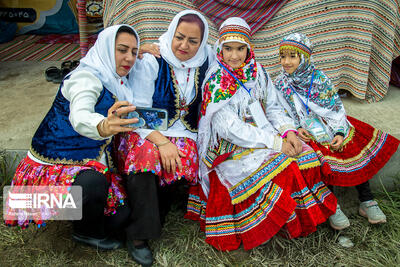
{"x": 257, "y": 178}
{"x": 72, "y": 145}
{"x": 350, "y": 151}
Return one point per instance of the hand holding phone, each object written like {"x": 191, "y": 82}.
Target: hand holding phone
{"x": 149, "y": 118}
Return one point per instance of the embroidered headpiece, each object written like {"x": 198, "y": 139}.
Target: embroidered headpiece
{"x": 235, "y": 29}
{"x": 298, "y": 42}
{"x": 234, "y": 32}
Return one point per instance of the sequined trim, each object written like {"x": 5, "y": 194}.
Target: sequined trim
{"x": 265, "y": 173}
{"x": 177, "y": 93}
{"x": 70, "y": 161}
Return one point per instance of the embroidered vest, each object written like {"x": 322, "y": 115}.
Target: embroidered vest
{"x": 166, "y": 95}
{"x": 55, "y": 141}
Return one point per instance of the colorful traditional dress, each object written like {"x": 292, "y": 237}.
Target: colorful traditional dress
{"x": 173, "y": 85}
{"x": 250, "y": 190}
{"x": 309, "y": 93}
{"x": 67, "y": 141}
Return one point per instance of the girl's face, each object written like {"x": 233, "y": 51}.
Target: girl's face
{"x": 125, "y": 53}
{"x": 234, "y": 54}
{"x": 186, "y": 41}
{"x": 289, "y": 60}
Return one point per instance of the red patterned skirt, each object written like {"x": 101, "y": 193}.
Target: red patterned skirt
{"x": 288, "y": 205}
{"x": 32, "y": 173}
{"x": 366, "y": 150}
{"x": 136, "y": 155}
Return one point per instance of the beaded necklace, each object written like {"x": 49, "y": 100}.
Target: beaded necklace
{"x": 183, "y": 107}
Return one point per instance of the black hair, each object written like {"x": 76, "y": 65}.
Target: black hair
{"x": 126, "y": 29}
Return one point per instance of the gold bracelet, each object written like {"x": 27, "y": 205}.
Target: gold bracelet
{"x": 166, "y": 142}
{"x": 102, "y": 127}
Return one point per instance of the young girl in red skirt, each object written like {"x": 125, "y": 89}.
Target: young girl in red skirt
{"x": 351, "y": 152}
{"x": 257, "y": 178}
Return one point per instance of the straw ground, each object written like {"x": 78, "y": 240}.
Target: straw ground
{"x": 182, "y": 244}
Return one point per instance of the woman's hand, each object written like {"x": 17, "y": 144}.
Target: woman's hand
{"x": 153, "y": 49}
{"x": 288, "y": 149}
{"x": 113, "y": 123}
{"x": 170, "y": 156}
{"x": 304, "y": 134}
{"x": 292, "y": 139}
{"x": 169, "y": 153}
{"x": 337, "y": 142}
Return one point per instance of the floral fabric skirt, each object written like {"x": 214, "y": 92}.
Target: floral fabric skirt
{"x": 136, "y": 155}
{"x": 32, "y": 173}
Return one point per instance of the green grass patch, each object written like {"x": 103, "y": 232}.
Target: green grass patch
{"x": 6, "y": 174}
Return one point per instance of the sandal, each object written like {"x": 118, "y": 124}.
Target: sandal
{"x": 53, "y": 74}
{"x": 67, "y": 67}
{"x": 74, "y": 64}
{"x": 66, "y": 64}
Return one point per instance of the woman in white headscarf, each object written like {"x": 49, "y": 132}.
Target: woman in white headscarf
{"x": 172, "y": 82}
{"x": 72, "y": 144}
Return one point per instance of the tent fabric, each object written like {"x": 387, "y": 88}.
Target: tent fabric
{"x": 62, "y": 21}
{"x": 45, "y": 17}
{"x": 355, "y": 41}
{"x": 7, "y": 31}
{"x": 255, "y": 13}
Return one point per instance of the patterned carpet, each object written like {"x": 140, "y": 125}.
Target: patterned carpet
{"x": 52, "y": 47}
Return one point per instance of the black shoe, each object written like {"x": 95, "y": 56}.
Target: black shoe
{"x": 101, "y": 243}
{"x": 141, "y": 254}
{"x": 53, "y": 74}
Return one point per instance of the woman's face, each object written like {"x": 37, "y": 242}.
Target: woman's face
{"x": 234, "y": 54}
{"x": 186, "y": 41}
{"x": 289, "y": 60}
{"x": 125, "y": 53}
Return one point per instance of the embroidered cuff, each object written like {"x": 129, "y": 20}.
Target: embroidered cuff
{"x": 339, "y": 133}
{"x": 283, "y": 130}
{"x": 286, "y": 133}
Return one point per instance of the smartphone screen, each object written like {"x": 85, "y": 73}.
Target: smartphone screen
{"x": 149, "y": 118}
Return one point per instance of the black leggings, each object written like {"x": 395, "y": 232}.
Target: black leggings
{"x": 150, "y": 204}
{"x": 364, "y": 191}
{"x": 144, "y": 220}
{"x": 141, "y": 217}
{"x": 94, "y": 195}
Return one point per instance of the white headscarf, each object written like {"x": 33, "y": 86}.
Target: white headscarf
{"x": 100, "y": 60}
{"x": 166, "y": 41}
